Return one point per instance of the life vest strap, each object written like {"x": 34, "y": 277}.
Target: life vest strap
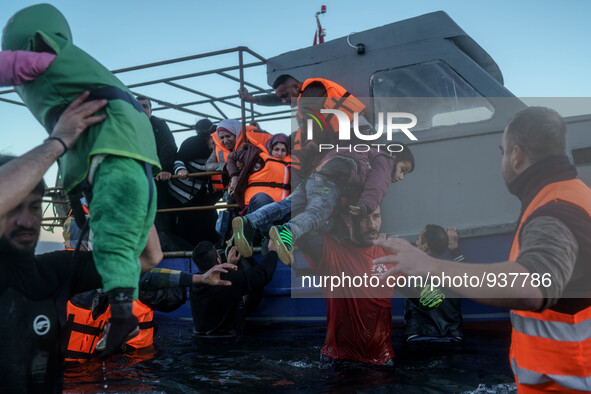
{"x": 144, "y": 325}
{"x": 277, "y": 185}
{"x": 77, "y": 355}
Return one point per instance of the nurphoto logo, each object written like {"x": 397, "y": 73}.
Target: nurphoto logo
{"x": 392, "y": 124}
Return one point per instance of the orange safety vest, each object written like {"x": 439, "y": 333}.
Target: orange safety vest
{"x": 273, "y": 179}
{"x": 145, "y": 316}
{"x": 337, "y": 98}
{"x": 84, "y": 332}
{"x": 221, "y": 152}
{"x": 551, "y": 351}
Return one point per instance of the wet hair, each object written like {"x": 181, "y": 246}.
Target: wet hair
{"x": 205, "y": 256}
{"x": 405, "y": 155}
{"x": 280, "y": 80}
{"x": 39, "y": 188}
{"x": 139, "y": 98}
{"x": 436, "y": 239}
{"x": 539, "y": 131}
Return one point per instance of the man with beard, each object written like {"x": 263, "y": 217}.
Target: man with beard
{"x": 358, "y": 319}
{"x": 551, "y": 301}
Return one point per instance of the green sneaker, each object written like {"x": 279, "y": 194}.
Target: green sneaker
{"x": 243, "y": 235}
{"x": 283, "y": 239}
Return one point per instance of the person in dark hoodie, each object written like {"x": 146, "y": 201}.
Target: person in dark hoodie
{"x": 442, "y": 322}
{"x": 195, "y": 226}
{"x": 222, "y": 312}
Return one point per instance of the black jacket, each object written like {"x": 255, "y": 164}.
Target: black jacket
{"x": 33, "y": 295}
{"x": 165, "y": 144}
{"x": 218, "y": 310}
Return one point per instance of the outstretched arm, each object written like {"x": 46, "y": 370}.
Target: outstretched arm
{"x": 409, "y": 260}
{"x": 19, "y": 176}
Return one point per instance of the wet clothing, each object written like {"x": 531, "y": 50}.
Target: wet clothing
{"x": 219, "y": 310}
{"x": 442, "y": 323}
{"x": 550, "y": 348}
{"x": 358, "y": 320}
{"x": 160, "y": 289}
{"x": 32, "y": 302}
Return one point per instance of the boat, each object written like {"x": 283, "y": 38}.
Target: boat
{"x": 427, "y": 66}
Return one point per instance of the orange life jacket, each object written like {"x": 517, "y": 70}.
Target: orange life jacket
{"x": 145, "y": 316}
{"x": 273, "y": 179}
{"x": 221, "y": 152}
{"x": 337, "y": 98}
{"x": 84, "y": 331}
{"x": 551, "y": 351}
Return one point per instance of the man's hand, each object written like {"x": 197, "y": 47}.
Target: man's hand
{"x": 452, "y": 234}
{"x": 163, "y": 176}
{"x": 234, "y": 256}
{"x": 76, "y": 118}
{"x": 183, "y": 174}
{"x": 408, "y": 259}
{"x": 245, "y": 96}
{"x": 212, "y": 277}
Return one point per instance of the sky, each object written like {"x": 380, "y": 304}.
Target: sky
{"x": 538, "y": 45}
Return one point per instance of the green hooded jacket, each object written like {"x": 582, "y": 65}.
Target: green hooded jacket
{"x": 125, "y": 132}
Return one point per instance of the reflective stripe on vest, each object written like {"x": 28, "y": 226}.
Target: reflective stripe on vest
{"x": 552, "y": 350}
{"x": 337, "y": 98}
{"x": 273, "y": 179}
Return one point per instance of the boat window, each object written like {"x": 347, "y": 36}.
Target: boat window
{"x": 433, "y": 92}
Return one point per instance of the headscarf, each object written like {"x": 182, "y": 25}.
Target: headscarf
{"x": 278, "y": 139}
{"x": 232, "y": 126}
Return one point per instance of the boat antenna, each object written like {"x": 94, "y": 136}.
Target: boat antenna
{"x": 320, "y": 32}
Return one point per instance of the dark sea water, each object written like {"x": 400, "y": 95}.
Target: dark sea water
{"x": 285, "y": 357}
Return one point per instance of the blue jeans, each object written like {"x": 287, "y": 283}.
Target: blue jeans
{"x": 319, "y": 197}
{"x": 257, "y": 201}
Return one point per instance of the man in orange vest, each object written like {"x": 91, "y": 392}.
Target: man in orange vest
{"x": 551, "y": 307}
{"x": 310, "y": 97}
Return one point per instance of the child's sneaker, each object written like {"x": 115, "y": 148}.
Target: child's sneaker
{"x": 283, "y": 239}
{"x": 243, "y": 235}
